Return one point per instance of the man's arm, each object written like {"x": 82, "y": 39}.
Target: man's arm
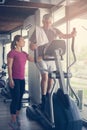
{"x": 65, "y": 36}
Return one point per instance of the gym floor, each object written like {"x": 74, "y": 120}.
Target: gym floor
{"x": 26, "y": 124}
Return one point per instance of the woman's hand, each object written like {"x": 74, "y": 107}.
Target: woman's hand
{"x": 33, "y": 46}
{"x": 11, "y": 83}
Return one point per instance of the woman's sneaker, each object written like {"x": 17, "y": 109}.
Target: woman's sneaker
{"x": 18, "y": 121}
{"x": 13, "y": 125}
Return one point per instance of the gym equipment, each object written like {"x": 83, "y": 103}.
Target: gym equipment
{"x": 61, "y": 112}
{"x": 3, "y": 72}
{"x": 2, "y": 82}
{"x": 5, "y": 92}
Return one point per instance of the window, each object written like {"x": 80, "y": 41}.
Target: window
{"x": 59, "y": 14}
{"x": 79, "y": 69}
{"x": 24, "y": 32}
{"x": 15, "y": 33}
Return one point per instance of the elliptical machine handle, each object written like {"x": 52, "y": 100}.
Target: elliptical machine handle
{"x": 73, "y": 51}
{"x": 73, "y": 40}
{"x": 35, "y": 55}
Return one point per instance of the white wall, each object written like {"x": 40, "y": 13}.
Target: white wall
{"x": 34, "y": 76}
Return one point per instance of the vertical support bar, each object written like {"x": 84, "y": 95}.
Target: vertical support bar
{"x": 67, "y": 41}
{"x": 61, "y": 73}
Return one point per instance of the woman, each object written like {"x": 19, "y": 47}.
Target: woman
{"x": 16, "y": 60}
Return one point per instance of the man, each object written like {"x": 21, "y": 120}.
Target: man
{"x": 42, "y": 36}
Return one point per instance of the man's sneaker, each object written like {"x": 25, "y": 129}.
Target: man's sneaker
{"x": 13, "y": 125}
{"x": 18, "y": 121}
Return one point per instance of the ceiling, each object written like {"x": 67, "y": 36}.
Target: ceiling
{"x": 14, "y": 12}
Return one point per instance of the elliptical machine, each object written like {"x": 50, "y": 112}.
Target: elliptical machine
{"x": 61, "y": 112}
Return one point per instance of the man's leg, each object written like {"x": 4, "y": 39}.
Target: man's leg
{"x": 51, "y": 68}
{"x": 44, "y": 85}
{"x": 42, "y": 66}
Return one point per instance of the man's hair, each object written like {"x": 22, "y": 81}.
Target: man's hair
{"x": 47, "y": 17}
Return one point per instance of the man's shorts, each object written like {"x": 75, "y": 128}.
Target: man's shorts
{"x": 46, "y": 66}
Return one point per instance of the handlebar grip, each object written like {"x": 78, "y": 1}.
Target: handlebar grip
{"x": 35, "y": 55}
{"x": 73, "y": 40}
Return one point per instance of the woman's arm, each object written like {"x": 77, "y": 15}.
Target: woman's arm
{"x": 10, "y": 63}
{"x": 30, "y": 58}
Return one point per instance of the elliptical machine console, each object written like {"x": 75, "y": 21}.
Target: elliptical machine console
{"x": 61, "y": 112}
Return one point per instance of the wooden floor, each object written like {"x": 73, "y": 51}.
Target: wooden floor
{"x": 26, "y": 124}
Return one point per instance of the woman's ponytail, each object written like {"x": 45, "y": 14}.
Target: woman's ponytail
{"x": 16, "y": 39}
